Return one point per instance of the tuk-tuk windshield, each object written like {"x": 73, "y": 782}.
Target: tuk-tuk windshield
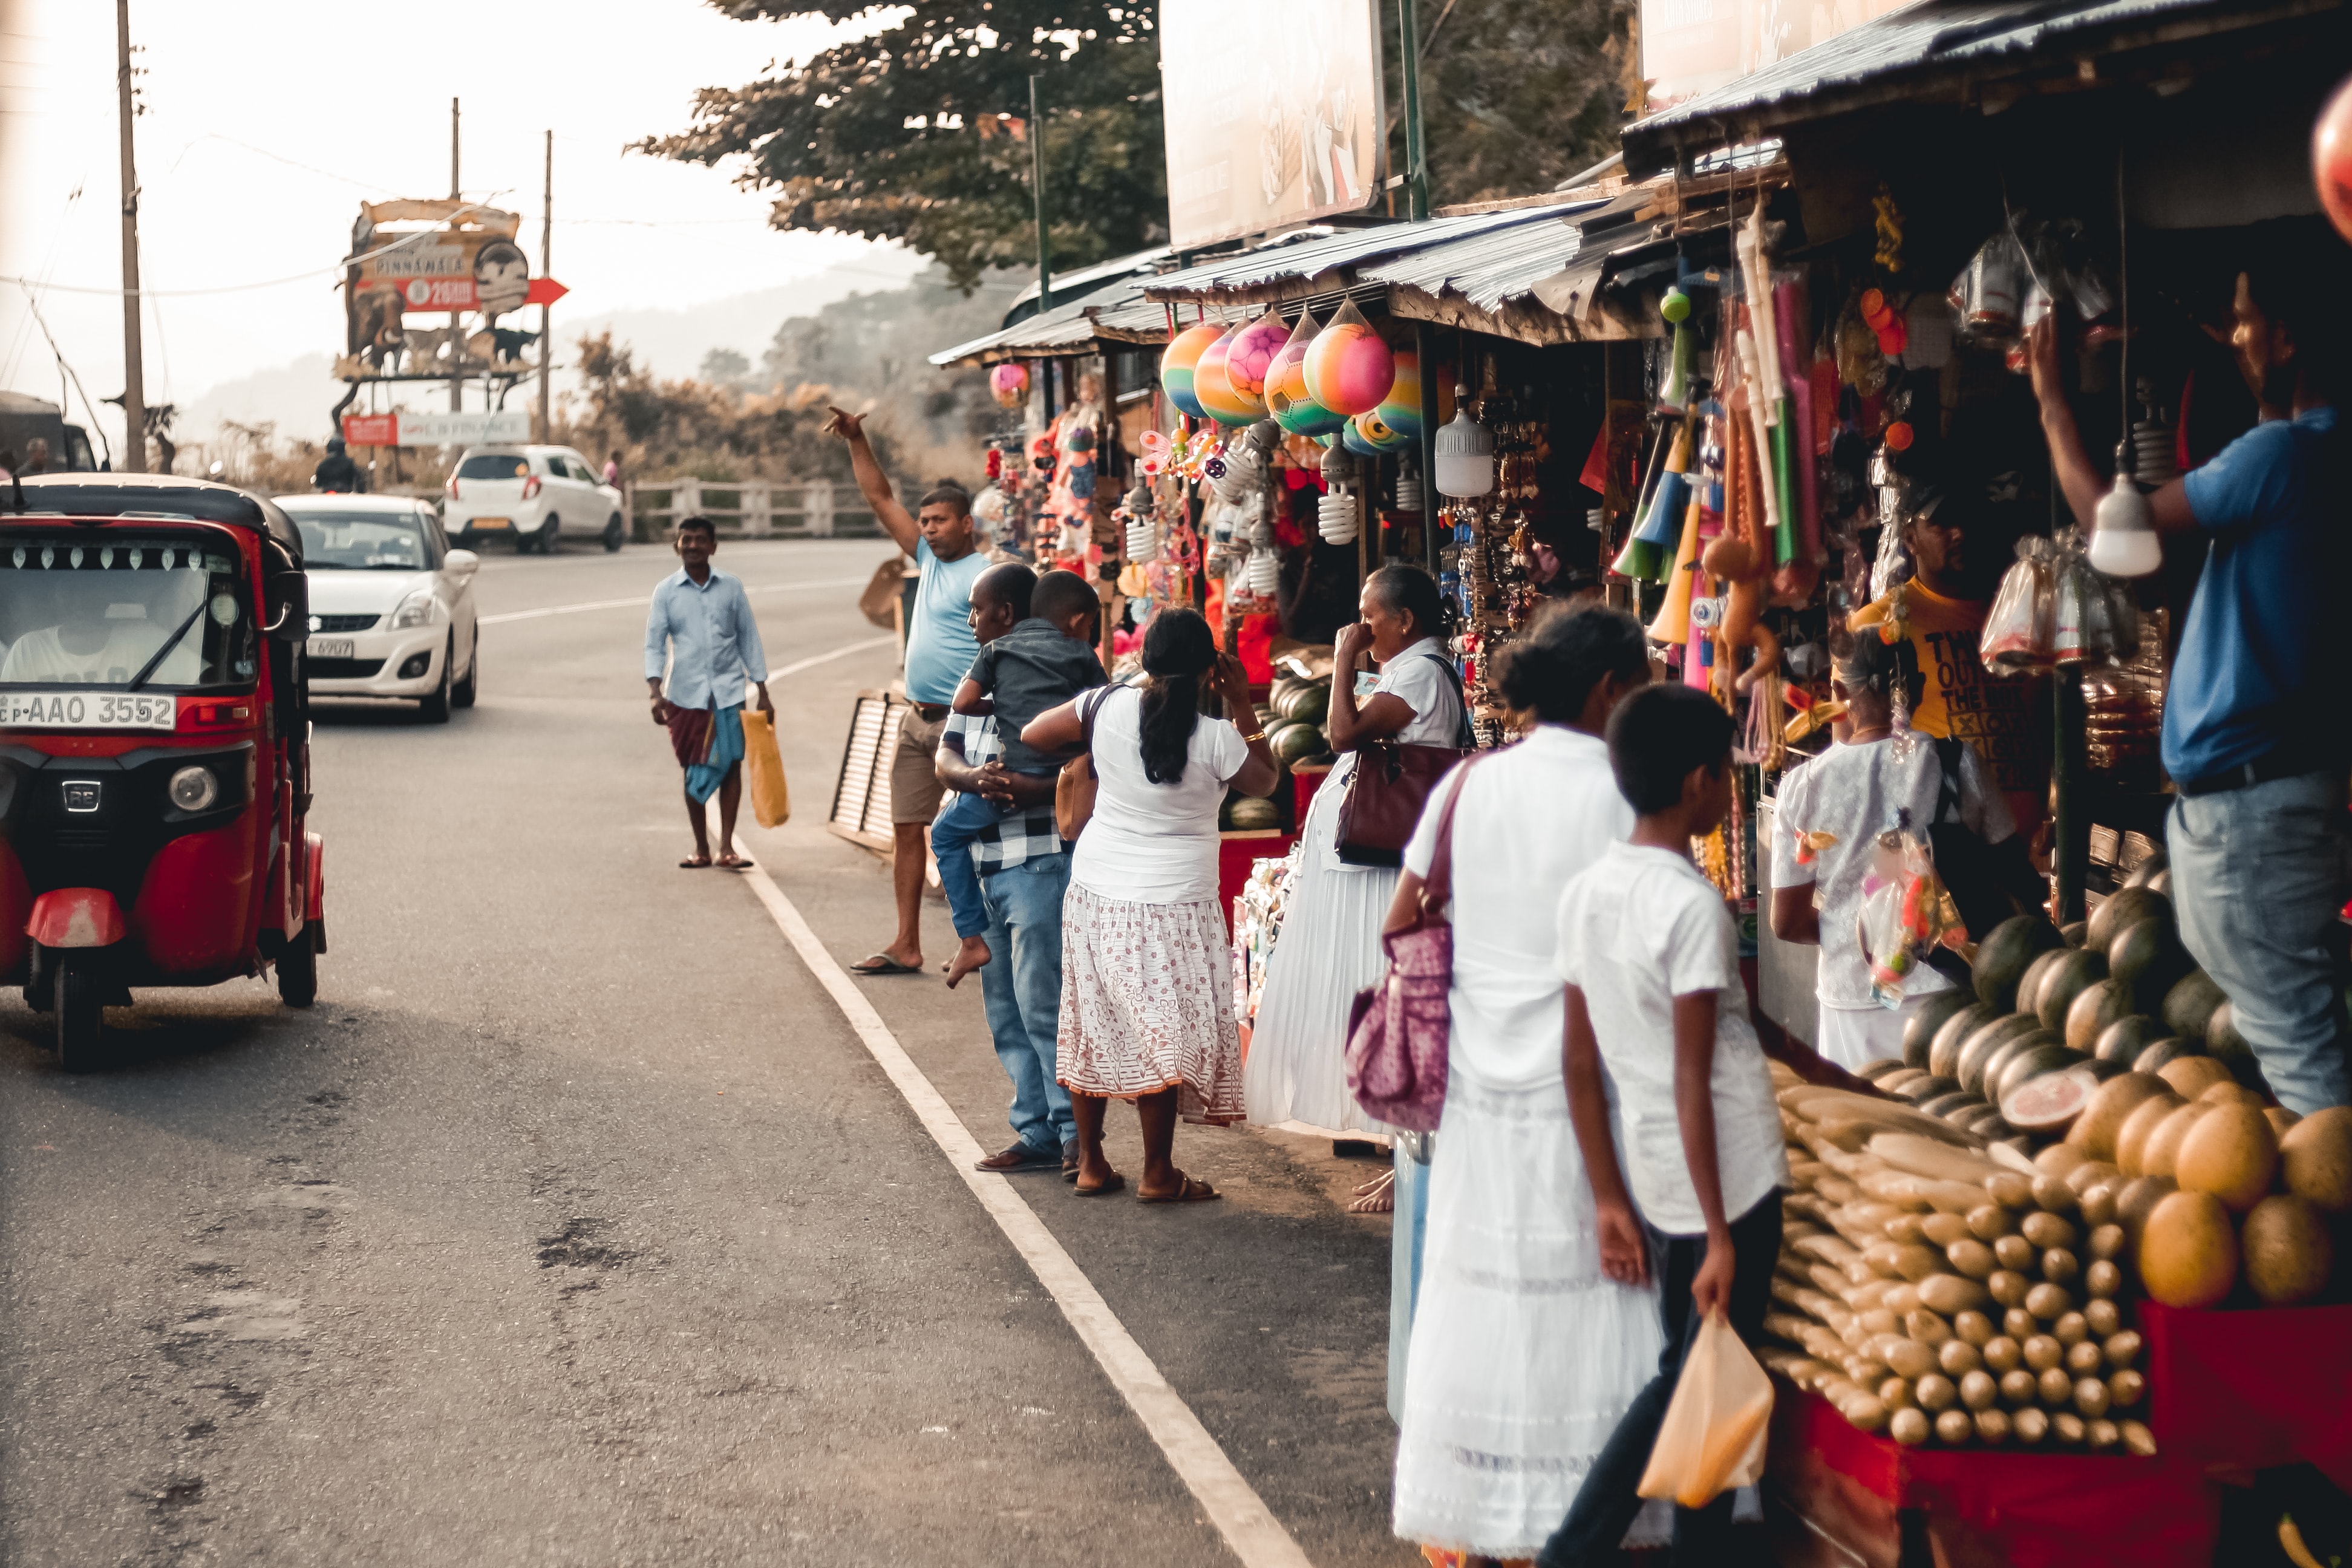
{"x": 102, "y": 611}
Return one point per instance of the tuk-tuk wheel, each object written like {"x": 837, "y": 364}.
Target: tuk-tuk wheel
{"x": 298, "y": 971}
{"x": 82, "y": 1015}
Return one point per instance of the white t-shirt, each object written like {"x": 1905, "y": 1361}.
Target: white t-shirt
{"x": 1638, "y": 929}
{"x": 1857, "y": 793}
{"x": 1147, "y": 843}
{"x": 1532, "y": 816}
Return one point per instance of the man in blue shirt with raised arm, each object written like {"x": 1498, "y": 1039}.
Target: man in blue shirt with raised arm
{"x": 939, "y": 647}
{"x": 2254, "y": 733}
{"x": 700, "y": 627}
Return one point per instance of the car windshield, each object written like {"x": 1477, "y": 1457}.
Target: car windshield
{"x": 90, "y": 610}
{"x": 494, "y": 466}
{"x": 363, "y": 541}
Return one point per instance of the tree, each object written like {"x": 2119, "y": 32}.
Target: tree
{"x": 725, "y": 366}
{"x": 920, "y": 132}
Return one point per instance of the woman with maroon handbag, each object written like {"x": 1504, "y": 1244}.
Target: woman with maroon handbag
{"x": 1330, "y": 943}
{"x": 1523, "y": 1354}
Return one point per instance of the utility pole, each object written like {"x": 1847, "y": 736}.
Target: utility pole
{"x": 1416, "y": 164}
{"x": 546, "y": 269}
{"x": 135, "y": 373}
{"x": 456, "y": 341}
{"x": 1037, "y": 184}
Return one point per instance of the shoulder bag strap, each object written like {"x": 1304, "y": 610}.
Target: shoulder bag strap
{"x": 1437, "y": 889}
{"x": 1087, "y": 723}
{"x": 1465, "y": 737}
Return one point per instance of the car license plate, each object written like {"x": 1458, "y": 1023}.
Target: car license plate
{"x": 87, "y": 710}
{"x": 332, "y": 648}
{"x": 481, "y": 523}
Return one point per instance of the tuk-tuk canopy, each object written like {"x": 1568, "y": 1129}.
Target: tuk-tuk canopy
{"x": 154, "y": 496}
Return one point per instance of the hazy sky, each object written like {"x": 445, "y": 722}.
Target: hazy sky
{"x": 268, "y": 122}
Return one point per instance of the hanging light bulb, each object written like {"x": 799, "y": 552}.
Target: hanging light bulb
{"x": 1465, "y": 453}
{"x": 2123, "y": 532}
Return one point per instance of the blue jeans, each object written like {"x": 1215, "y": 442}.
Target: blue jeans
{"x": 1022, "y": 988}
{"x": 2257, "y": 878}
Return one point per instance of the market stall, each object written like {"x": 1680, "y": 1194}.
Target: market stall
{"x": 2066, "y": 1296}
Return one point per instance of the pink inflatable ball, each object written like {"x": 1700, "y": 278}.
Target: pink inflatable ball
{"x": 1348, "y": 368}
{"x": 1009, "y": 382}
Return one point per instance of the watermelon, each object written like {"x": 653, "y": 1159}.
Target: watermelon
{"x": 1944, "y": 1105}
{"x": 2029, "y": 990}
{"x": 2122, "y": 910}
{"x": 1944, "y": 1050}
{"x": 2148, "y": 956}
{"x": 2122, "y": 1041}
{"x": 1308, "y": 704}
{"x": 2032, "y": 1062}
{"x": 2048, "y": 1103}
{"x": 2074, "y": 931}
{"x": 1295, "y": 742}
{"x": 1925, "y": 1088}
{"x": 1250, "y": 813}
{"x": 2154, "y": 1059}
{"x": 2075, "y": 973}
{"x": 2148, "y": 870}
{"x": 2222, "y": 1037}
{"x": 2004, "y": 954}
{"x": 2007, "y": 1055}
{"x": 1981, "y": 1046}
{"x": 1919, "y": 1029}
{"x": 2099, "y": 1005}
{"x": 2189, "y": 1006}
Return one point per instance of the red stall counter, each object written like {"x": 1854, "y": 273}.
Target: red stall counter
{"x": 2248, "y": 1390}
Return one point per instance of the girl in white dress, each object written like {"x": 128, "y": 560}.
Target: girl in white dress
{"x": 1330, "y": 943}
{"x": 1524, "y": 1354}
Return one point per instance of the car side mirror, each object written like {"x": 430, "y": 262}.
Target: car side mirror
{"x": 285, "y": 597}
{"x": 461, "y": 563}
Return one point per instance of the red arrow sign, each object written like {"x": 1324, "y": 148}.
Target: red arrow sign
{"x": 544, "y": 291}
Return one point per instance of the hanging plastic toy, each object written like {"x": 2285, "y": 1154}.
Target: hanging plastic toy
{"x": 1350, "y": 369}
{"x": 1153, "y": 457}
{"x": 1176, "y": 364}
{"x": 1399, "y": 411}
{"x": 1009, "y": 382}
{"x": 1286, "y": 397}
{"x": 1368, "y": 436}
{"x": 1215, "y": 392}
{"x": 1251, "y": 358}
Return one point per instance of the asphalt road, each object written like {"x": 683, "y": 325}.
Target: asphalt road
{"x": 575, "y": 1225}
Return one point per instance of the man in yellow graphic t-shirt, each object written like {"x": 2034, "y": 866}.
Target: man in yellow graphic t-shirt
{"x": 2005, "y": 717}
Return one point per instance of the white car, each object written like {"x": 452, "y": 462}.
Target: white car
{"x": 392, "y": 605}
{"x": 531, "y": 494}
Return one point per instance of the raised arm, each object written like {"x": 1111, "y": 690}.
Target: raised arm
{"x": 1260, "y": 773}
{"x": 1624, "y": 1251}
{"x": 872, "y": 483}
{"x": 2077, "y": 475}
{"x": 1348, "y": 723}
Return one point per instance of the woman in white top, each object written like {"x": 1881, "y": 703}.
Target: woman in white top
{"x": 1330, "y": 943}
{"x": 1147, "y": 987}
{"x": 1524, "y": 1354}
{"x": 1876, "y": 780}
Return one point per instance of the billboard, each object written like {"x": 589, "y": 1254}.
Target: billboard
{"x": 1690, "y": 47}
{"x": 403, "y": 428}
{"x": 1273, "y": 118}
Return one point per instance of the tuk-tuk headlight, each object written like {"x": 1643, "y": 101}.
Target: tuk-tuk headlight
{"x": 193, "y": 789}
{"x": 417, "y": 610}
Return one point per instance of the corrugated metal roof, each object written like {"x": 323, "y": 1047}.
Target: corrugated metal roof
{"x": 1116, "y": 267}
{"x": 1490, "y": 267}
{"x": 1930, "y": 35}
{"x": 1304, "y": 259}
{"x": 1059, "y": 329}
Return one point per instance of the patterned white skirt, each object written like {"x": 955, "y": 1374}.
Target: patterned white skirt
{"x": 1148, "y": 1005}
{"x": 1525, "y": 1355}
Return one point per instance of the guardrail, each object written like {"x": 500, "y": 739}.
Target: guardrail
{"x": 752, "y": 509}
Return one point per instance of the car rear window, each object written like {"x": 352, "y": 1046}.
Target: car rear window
{"x": 494, "y": 466}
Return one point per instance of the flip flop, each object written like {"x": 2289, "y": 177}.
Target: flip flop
{"x": 732, "y": 863}
{"x": 691, "y": 864}
{"x": 1192, "y": 1190}
{"x": 1111, "y": 1184}
{"x": 883, "y": 963}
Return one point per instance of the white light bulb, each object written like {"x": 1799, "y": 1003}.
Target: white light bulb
{"x": 2122, "y": 531}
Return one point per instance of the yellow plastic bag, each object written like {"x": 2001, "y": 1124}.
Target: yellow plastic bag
{"x": 1714, "y": 1433}
{"x": 763, "y": 770}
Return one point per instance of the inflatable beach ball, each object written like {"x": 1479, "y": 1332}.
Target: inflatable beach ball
{"x": 1286, "y": 397}
{"x": 1401, "y": 409}
{"x": 1350, "y": 369}
{"x": 1009, "y": 384}
{"x": 1178, "y": 363}
{"x": 1252, "y": 356}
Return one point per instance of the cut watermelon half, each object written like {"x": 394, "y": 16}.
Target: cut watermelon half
{"x": 2048, "y": 1105}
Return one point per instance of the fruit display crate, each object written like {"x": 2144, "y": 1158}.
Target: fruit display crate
{"x": 1840, "y": 1495}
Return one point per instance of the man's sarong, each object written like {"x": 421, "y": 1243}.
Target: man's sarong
{"x": 708, "y": 741}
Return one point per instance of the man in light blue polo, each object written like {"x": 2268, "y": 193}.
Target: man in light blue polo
{"x": 700, "y": 627}
{"x": 2256, "y": 740}
{"x": 939, "y": 647}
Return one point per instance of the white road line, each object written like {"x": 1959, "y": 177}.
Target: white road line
{"x": 1233, "y": 1505}
{"x": 644, "y": 598}
{"x": 841, "y": 652}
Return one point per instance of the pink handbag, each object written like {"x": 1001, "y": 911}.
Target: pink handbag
{"x": 1398, "y": 1030}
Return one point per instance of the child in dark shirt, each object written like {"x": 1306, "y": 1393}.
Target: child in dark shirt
{"x": 1036, "y": 653}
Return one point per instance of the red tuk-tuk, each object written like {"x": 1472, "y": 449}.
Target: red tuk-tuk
{"x": 154, "y": 746}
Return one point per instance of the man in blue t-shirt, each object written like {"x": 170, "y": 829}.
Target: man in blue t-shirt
{"x": 939, "y": 647}
{"x": 2254, "y": 736}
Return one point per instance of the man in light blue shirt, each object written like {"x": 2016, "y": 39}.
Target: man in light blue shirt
{"x": 700, "y": 627}
{"x": 939, "y": 647}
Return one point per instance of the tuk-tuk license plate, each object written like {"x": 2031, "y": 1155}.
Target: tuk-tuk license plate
{"x": 332, "y": 648}
{"x": 87, "y": 710}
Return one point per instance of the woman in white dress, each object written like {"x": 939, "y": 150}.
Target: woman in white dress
{"x": 1524, "y": 1354}
{"x": 1330, "y": 943}
{"x": 1147, "y": 990}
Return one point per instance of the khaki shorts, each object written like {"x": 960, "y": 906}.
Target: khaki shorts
{"x": 915, "y": 787}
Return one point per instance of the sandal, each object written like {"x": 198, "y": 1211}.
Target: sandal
{"x": 695, "y": 863}
{"x": 1110, "y": 1184}
{"x": 730, "y": 861}
{"x": 1191, "y": 1190}
{"x": 883, "y": 963}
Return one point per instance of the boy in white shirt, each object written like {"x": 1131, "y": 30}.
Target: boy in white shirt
{"x": 1651, "y": 957}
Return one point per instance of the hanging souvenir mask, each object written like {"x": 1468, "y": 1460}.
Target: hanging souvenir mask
{"x": 1178, "y": 363}
{"x": 1348, "y": 368}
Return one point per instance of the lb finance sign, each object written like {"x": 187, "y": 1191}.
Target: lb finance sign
{"x": 1274, "y": 114}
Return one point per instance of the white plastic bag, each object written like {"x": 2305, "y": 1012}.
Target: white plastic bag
{"x": 1714, "y": 1435}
